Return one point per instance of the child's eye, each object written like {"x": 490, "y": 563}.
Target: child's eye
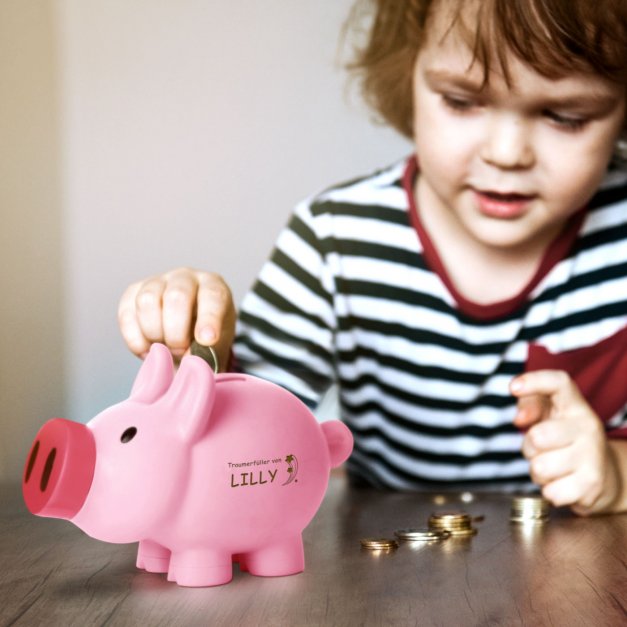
{"x": 458, "y": 103}
{"x": 567, "y": 122}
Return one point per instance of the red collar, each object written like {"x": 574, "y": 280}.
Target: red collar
{"x": 555, "y": 252}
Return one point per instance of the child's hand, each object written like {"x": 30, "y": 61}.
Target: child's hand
{"x": 566, "y": 444}
{"x": 175, "y": 308}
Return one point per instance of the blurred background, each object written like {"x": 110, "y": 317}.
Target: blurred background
{"x": 140, "y": 136}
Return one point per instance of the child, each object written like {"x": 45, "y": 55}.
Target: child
{"x": 471, "y": 301}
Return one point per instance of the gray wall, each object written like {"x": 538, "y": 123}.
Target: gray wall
{"x": 139, "y": 136}
{"x": 33, "y": 344}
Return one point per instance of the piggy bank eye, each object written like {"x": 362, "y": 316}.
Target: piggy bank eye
{"x": 128, "y": 435}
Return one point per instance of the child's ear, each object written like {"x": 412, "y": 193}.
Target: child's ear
{"x": 191, "y": 397}
{"x": 155, "y": 375}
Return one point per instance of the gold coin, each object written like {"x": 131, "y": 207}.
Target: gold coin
{"x": 450, "y": 518}
{"x": 449, "y": 526}
{"x": 378, "y": 543}
{"x": 460, "y": 533}
{"x": 421, "y": 535}
{"x": 458, "y": 524}
{"x": 529, "y": 509}
{"x": 526, "y": 520}
{"x": 207, "y": 353}
{"x": 433, "y": 524}
{"x": 523, "y": 514}
{"x": 533, "y": 503}
{"x": 448, "y": 515}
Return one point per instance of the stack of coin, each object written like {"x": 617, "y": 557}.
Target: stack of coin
{"x": 529, "y": 510}
{"x": 458, "y": 524}
{"x": 379, "y": 544}
{"x": 421, "y": 535}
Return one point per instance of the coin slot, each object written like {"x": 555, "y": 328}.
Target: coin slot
{"x": 31, "y": 461}
{"x": 45, "y": 477}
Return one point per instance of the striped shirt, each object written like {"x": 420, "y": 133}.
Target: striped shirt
{"x": 355, "y": 294}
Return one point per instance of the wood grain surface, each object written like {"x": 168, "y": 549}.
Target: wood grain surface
{"x": 573, "y": 571}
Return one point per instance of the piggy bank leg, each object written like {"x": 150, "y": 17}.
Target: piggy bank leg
{"x": 286, "y": 557}
{"x": 153, "y": 557}
{"x": 239, "y": 558}
{"x": 199, "y": 568}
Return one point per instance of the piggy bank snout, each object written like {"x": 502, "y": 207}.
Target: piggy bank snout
{"x": 59, "y": 469}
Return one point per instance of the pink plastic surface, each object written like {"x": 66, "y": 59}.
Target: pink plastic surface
{"x": 59, "y": 469}
{"x": 204, "y": 470}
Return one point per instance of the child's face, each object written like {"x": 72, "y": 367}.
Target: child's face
{"x": 510, "y": 164}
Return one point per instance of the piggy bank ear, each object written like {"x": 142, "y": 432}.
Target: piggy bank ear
{"x": 191, "y": 397}
{"x": 339, "y": 440}
{"x": 155, "y": 375}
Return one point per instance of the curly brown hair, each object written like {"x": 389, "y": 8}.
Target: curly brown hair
{"x": 555, "y": 37}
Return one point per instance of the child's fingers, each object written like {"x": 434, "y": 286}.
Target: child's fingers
{"x": 178, "y": 302}
{"x": 563, "y": 491}
{"x": 555, "y": 384}
{"x": 148, "y": 306}
{"x": 548, "y": 435}
{"x": 551, "y": 465}
{"x": 567, "y": 452}
{"x": 572, "y": 450}
{"x": 531, "y": 409}
{"x": 215, "y": 306}
{"x": 128, "y": 323}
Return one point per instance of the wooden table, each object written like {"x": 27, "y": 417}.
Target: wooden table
{"x": 572, "y": 571}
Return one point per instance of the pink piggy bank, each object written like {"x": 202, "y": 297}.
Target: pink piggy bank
{"x": 201, "y": 469}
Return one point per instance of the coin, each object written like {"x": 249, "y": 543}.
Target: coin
{"x": 207, "y": 353}
{"x": 421, "y": 535}
{"x": 529, "y": 510}
{"x": 448, "y": 526}
{"x": 378, "y": 543}
{"x": 457, "y": 523}
{"x": 450, "y": 520}
{"x": 451, "y": 516}
{"x": 459, "y": 533}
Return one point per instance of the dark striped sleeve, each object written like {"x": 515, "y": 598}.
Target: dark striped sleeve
{"x": 286, "y": 322}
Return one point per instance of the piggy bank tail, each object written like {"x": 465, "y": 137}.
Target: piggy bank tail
{"x": 339, "y": 441}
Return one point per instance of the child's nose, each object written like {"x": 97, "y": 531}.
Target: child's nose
{"x": 507, "y": 143}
